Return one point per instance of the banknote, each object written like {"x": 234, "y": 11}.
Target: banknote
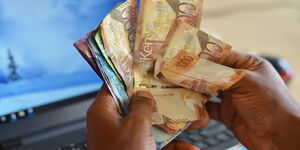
{"x": 155, "y": 21}
{"x": 190, "y": 39}
{"x": 118, "y": 30}
{"x": 85, "y": 52}
{"x": 107, "y": 74}
{"x": 118, "y": 33}
{"x": 172, "y": 128}
{"x": 116, "y": 86}
{"x": 174, "y": 104}
{"x": 108, "y": 49}
{"x": 192, "y": 72}
{"x": 162, "y": 138}
{"x": 100, "y": 44}
{"x": 88, "y": 45}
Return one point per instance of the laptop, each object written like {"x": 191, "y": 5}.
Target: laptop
{"x": 45, "y": 85}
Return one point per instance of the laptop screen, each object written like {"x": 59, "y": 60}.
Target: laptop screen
{"x": 38, "y": 64}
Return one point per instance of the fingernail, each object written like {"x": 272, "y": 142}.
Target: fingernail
{"x": 144, "y": 94}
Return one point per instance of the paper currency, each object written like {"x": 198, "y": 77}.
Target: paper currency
{"x": 182, "y": 65}
{"x": 155, "y": 21}
{"x": 99, "y": 58}
{"x": 118, "y": 33}
{"x": 162, "y": 137}
{"x": 195, "y": 73}
{"x": 85, "y": 52}
{"x": 173, "y": 104}
{"x": 99, "y": 42}
{"x": 191, "y": 39}
{"x": 115, "y": 84}
{"x": 109, "y": 51}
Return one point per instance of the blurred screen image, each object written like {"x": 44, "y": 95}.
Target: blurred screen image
{"x": 38, "y": 64}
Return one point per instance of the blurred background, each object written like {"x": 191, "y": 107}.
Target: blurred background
{"x": 263, "y": 27}
{"x": 46, "y": 87}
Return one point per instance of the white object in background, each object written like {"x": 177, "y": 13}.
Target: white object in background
{"x": 238, "y": 147}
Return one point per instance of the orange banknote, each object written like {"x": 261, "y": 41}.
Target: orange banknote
{"x": 174, "y": 104}
{"x": 195, "y": 73}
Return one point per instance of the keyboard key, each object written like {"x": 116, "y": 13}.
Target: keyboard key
{"x": 202, "y": 145}
{"x": 208, "y": 132}
{"x": 230, "y": 133}
{"x": 223, "y": 137}
{"x": 183, "y": 138}
{"x": 74, "y": 146}
{"x": 193, "y": 132}
{"x": 195, "y": 137}
{"x": 211, "y": 141}
{"x": 212, "y": 123}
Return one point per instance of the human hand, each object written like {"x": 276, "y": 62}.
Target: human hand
{"x": 259, "y": 109}
{"x": 107, "y": 130}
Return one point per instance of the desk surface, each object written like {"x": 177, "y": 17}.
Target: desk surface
{"x": 269, "y": 27}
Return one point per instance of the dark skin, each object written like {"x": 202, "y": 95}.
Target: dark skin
{"x": 107, "y": 130}
{"x": 259, "y": 110}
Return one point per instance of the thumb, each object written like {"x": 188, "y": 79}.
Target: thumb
{"x": 239, "y": 60}
{"x": 180, "y": 145}
{"x": 138, "y": 122}
{"x": 142, "y": 105}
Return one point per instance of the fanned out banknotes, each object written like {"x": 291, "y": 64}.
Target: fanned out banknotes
{"x": 160, "y": 50}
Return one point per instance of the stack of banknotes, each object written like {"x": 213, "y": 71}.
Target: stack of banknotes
{"x": 161, "y": 50}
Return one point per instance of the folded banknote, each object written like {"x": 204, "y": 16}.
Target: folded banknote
{"x": 118, "y": 90}
{"x": 174, "y": 104}
{"x": 108, "y": 58}
{"x": 160, "y": 50}
{"x": 190, "y": 59}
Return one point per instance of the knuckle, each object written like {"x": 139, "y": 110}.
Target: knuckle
{"x": 141, "y": 102}
{"x": 256, "y": 60}
{"x": 264, "y": 62}
{"x": 91, "y": 112}
{"x": 143, "y": 96}
{"x": 138, "y": 118}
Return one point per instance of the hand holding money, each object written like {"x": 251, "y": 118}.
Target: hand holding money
{"x": 133, "y": 55}
{"x": 106, "y": 129}
{"x": 105, "y": 62}
{"x": 189, "y": 59}
{"x": 248, "y": 107}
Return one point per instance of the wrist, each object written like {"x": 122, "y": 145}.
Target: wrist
{"x": 288, "y": 135}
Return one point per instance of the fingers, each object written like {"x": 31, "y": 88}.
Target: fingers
{"x": 103, "y": 95}
{"x": 198, "y": 124}
{"x": 223, "y": 112}
{"x": 138, "y": 122}
{"x": 239, "y": 60}
{"x": 214, "y": 110}
{"x": 141, "y": 111}
{"x": 103, "y": 112}
{"x": 180, "y": 145}
{"x": 104, "y": 101}
{"x": 142, "y": 104}
{"x": 102, "y": 119}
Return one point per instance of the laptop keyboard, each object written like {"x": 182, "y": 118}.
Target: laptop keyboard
{"x": 74, "y": 146}
{"x": 213, "y": 137}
